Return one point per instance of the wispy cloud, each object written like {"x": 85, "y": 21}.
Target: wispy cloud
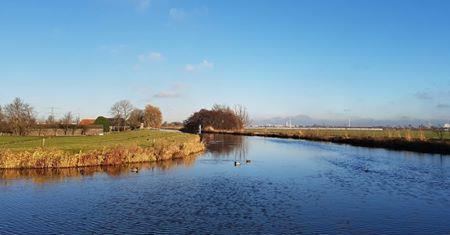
{"x": 423, "y": 95}
{"x": 141, "y": 5}
{"x": 204, "y": 65}
{"x": 177, "y": 14}
{"x": 167, "y": 94}
{"x": 112, "y": 49}
{"x": 173, "y": 92}
{"x": 189, "y": 68}
{"x": 151, "y": 57}
{"x": 443, "y": 106}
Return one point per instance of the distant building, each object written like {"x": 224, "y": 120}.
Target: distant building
{"x": 87, "y": 122}
{"x": 447, "y": 125}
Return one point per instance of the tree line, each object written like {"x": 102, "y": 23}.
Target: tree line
{"x": 17, "y": 117}
{"x": 126, "y": 115}
{"x": 20, "y": 118}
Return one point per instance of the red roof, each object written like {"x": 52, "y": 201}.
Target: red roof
{"x": 87, "y": 122}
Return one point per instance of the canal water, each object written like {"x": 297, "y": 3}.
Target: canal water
{"x": 281, "y": 186}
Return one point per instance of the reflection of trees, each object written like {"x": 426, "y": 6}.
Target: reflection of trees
{"x": 220, "y": 145}
{"x": 59, "y": 174}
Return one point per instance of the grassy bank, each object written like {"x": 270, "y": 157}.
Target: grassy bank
{"x": 425, "y": 141}
{"x": 113, "y": 149}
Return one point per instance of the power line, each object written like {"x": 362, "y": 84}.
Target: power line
{"x": 52, "y": 110}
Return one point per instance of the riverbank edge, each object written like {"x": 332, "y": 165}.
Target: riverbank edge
{"x": 43, "y": 158}
{"x": 432, "y": 147}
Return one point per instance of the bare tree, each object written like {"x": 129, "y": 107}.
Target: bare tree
{"x": 52, "y": 123}
{"x": 137, "y": 117}
{"x": 51, "y": 120}
{"x": 77, "y": 119}
{"x": 20, "y": 117}
{"x": 221, "y": 107}
{"x": 67, "y": 121}
{"x": 2, "y": 121}
{"x": 2, "y": 116}
{"x": 242, "y": 113}
{"x": 121, "y": 112}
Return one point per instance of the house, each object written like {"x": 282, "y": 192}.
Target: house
{"x": 447, "y": 126}
{"x": 117, "y": 124}
{"x": 87, "y": 122}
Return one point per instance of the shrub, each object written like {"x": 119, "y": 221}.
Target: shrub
{"x": 103, "y": 122}
{"x": 218, "y": 118}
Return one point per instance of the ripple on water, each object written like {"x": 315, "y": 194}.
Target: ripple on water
{"x": 290, "y": 187}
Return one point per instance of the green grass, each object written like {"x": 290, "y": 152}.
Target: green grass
{"x": 144, "y": 138}
{"x": 80, "y": 151}
{"x": 378, "y": 134}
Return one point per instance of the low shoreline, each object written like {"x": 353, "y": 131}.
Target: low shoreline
{"x": 399, "y": 144}
{"x": 110, "y": 155}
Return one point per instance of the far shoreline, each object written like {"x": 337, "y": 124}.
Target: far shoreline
{"x": 397, "y": 144}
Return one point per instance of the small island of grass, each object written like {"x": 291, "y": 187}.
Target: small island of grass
{"x": 80, "y": 151}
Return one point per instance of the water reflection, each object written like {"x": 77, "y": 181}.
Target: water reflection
{"x": 227, "y": 146}
{"x": 292, "y": 187}
{"x": 41, "y": 176}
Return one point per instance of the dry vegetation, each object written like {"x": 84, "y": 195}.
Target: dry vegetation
{"x": 406, "y": 134}
{"x": 113, "y": 149}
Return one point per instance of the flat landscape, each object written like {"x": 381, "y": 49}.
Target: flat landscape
{"x": 225, "y": 117}
{"x": 409, "y": 134}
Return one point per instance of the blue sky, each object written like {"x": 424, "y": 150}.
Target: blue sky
{"x": 324, "y": 59}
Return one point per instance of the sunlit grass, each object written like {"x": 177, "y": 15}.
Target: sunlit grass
{"x": 112, "y": 149}
{"x": 144, "y": 138}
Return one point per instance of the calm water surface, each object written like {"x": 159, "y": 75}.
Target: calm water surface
{"x": 290, "y": 186}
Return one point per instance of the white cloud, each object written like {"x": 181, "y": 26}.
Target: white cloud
{"x": 167, "y": 94}
{"x": 189, "y": 68}
{"x": 174, "y": 92}
{"x": 151, "y": 57}
{"x": 141, "y": 4}
{"x": 207, "y": 64}
{"x": 204, "y": 65}
{"x": 177, "y": 14}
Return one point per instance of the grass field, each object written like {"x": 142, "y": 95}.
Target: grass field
{"x": 112, "y": 149}
{"x": 407, "y": 134}
{"x": 145, "y": 138}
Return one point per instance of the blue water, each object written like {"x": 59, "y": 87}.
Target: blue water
{"x": 289, "y": 186}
